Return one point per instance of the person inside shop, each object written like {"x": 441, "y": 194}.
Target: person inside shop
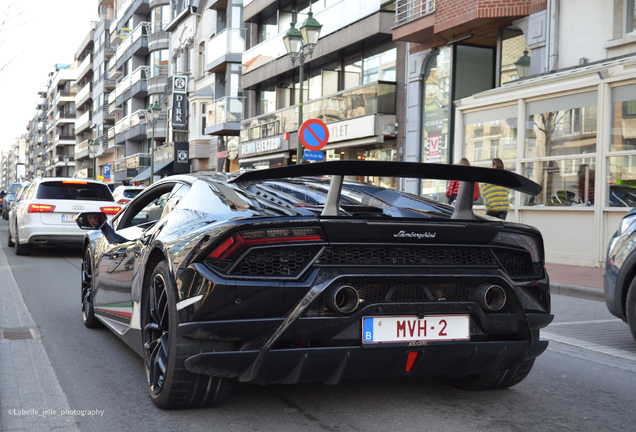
{"x": 586, "y": 177}
{"x": 453, "y": 186}
{"x": 496, "y": 197}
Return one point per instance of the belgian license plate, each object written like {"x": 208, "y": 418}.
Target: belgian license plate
{"x": 68, "y": 217}
{"x": 412, "y": 329}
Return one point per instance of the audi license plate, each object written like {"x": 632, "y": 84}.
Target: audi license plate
{"x": 70, "y": 218}
{"x": 412, "y": 329}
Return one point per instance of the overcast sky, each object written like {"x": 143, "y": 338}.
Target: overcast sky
{"x": 34, "y": 36}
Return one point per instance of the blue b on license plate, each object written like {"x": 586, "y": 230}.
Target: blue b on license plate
{"x": 412, "y": 328}
{"x": 68, "y": 217}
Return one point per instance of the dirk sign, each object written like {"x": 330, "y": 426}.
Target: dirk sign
{"x": 180, "y": 102}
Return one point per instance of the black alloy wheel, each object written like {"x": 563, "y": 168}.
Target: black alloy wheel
{"x": 88, "y": 308}
{"x": 630, "y": 308}
{"x": 9, "y": 241}
{"x": 21, "y": 249}
{"x": 170, "y": 385}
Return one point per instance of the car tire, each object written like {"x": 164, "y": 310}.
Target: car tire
{"x": 630, "y": 308}
{"x": 88, "y": 307}
{"x": 21, "y": 249}
{"x": 9, "y": 241}
{"x": 501, "y": 379}
{"x": 170, "y": 385}
{"x": 4, "y": 215}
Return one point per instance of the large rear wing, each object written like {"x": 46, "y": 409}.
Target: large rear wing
{"x": 467, "y": 175}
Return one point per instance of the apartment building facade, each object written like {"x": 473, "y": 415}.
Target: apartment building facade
{"x": 352, "y": 82}
{"x": 61, "y": 116}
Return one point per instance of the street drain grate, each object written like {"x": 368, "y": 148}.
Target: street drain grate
{"x": 18, "y": 333}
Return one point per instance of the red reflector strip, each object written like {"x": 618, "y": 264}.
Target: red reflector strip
{"x": 280, "y": 239}
{"x": 110, "y": 210}
{"x": 74, "y": 182}
{"x": 40, "y": 208}
{"x": 411, "y": 360}
{"x": 218, "y": 251}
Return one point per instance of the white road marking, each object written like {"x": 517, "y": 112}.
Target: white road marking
{"x": 589, "y": 346}
{"x": 588, "y": 322}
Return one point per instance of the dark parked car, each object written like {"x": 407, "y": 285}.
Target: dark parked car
{"x": 250, "y": 279}
{"x": 619, "y": 279}
{"x": 8, "y": 199}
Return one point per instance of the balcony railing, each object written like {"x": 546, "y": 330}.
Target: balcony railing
{"x": 111, "y": 132}
{"x": 156, "y": 27}
{"x": 139, "y": 74}
{"x": 374, "y": 98}
{"x": 65, "y": 115}
{"x": 229, "y": 41}
{"x": 134, "y": 161}
{"x": 122, "y": 9}
{"x": 86, "y": 117}
{"x": 332, "y": 19}
{"x": 224, "y": 110}
{"x": 81, "y": 147}
{"x": 410, "y": 10}
{"x": 83, "y": 92}
{"x": 156, "y": 71}
{"x": 122, "y": 125}
{"x": 83, "y": 67}
{"x": 136, "y": 34}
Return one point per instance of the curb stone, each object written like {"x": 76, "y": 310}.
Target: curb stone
{"x": 576, "y": 291}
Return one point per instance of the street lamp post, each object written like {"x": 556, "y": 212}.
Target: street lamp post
{"x": 66, "y": 159}
{"x": 300, "y": 44}
{"x": 154, "y": 111}
{"x": 93, "y": 146}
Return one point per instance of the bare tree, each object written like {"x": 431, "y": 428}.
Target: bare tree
{"x": 9, "y": 19}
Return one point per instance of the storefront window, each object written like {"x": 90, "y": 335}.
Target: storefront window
{"x": 561, "y": 126}
{"x": 491, "y": 134}
{"x": 621, "y": 169}
{"x": 565, "y": 182}
{"x": 435, "y": 118}
{"x": 621, "y": 181}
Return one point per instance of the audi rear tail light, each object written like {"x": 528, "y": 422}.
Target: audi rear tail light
{"x": 258, "y": 237}
{"x": 110, "y": 210}
{"x": 40, "y": 208}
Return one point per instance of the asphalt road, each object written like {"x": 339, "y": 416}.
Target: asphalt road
{"x": 574, "y": 386}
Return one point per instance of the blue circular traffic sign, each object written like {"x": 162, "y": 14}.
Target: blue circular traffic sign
{"x": 313, "y": 134}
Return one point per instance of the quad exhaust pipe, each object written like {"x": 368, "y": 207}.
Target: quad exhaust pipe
{"x": 342, "y": 299}
{"x": 491, "y": 298}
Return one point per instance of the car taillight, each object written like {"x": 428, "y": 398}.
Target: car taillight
{"x": 250, "y": 238}
{"x": 123, "y": 200}
{"x": 40, "y": 208}
{"x": 74, "y": 182}
{"x": 110, "y": 210}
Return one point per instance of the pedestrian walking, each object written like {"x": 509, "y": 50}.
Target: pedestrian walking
{"x": 496, "y": 197}
{"x": 453, "y": 186}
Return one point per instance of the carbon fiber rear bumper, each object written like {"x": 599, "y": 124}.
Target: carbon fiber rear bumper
{"x": 331, "y": 365}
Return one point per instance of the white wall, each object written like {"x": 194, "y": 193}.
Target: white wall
{"x": 584, "y": 27}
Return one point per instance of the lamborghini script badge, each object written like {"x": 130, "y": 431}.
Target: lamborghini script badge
{"x": 415, "y": 235}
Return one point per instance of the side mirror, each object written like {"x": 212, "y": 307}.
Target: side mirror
{"x": 91, "y": 221}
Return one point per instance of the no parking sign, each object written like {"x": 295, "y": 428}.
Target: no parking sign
{"x": 313, "y": 134}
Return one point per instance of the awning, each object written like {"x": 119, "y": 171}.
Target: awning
{"x": 146, "y": 173}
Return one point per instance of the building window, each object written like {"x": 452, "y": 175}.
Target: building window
{"x": 202, "y": 59}
{"x": 515, "y": 55}
{"x": 379, "y": 64}
{"x": 267, "y": 101}
{"x": 630, "y": 16}
{"x": 621, "y": 168}
{"x": 561, "y": 133}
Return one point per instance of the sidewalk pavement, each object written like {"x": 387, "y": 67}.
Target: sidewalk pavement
{"x": 31, "y": 398}
{"x": 576, "y": 281}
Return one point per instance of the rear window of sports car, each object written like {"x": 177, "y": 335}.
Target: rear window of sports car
{"x": 131, "y": 193}
{"x": 74, "y": 191}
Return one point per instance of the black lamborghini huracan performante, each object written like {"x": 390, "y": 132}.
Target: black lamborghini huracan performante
{"x": 298, "y": 274}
